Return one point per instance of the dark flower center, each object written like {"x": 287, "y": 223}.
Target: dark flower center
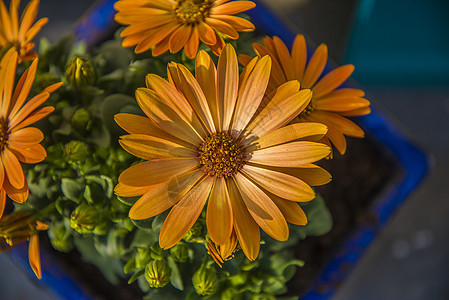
{"x": 3, "y": 133}
{"x": 221, "y": 155}
{"x": 192, "y": 11}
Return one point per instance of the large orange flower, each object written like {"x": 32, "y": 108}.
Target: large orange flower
{"x": 209, "y": 139}
{"x": 330, "y": 104}
{"x": 174, "y": 24}
{"x": 20, "y": 34}
{"x": 18, "y": 227}
{"x": 19, "y": 143}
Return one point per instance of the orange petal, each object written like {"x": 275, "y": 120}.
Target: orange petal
{"x": 2, "y": 201}
{"x": 294, "y": 154}
{"x": 238, "y": 23}
{"x": 251, "y": 93}
{"x": 25, "y": 137}
{"x": 191, "y": 89}
{"x": 34, "y": 30}
{"x": 149, "y": 147}
{"x": 179, "y": 38}
{"x": 35, "y": 116}
{"x": 217, "y": 48}
{"x": 292, "y": 212}
{"x": 29, "y": 155}
{"x": 17, "y": 195}
{"x": 356, "y": 112}
{"x": 13, "y": 168}
{"x": 280, "y": 184}
{"x": 283, "y": 107}
{"x": 285, "y": 59}
{"x": 219, "y": 217}
{"x": 246, "y": 228}
{"x": 299, "y": 56}
{"x": 167, "y": 117}
{"x": 340, "y": 104}
{"x": 315, "y": 67}
{"x": 308, "y": 130}
{"x": 124, "y": 190}
{"x": 28, "y": 17}
{"x": 161, "y": 47}
{"x": 28, "y": 108}
{"x": 34, "y": 255}
{"x": 191, "y": 47}
{"x": 206, "y": 75}
{"x": 175, "y": 98}
{"x": 232, "y": 8}
{"x": 333, "y": 120}
{"x": 164, "y": 195}
{"x": 156, "y": 171}
{"x": 311, "y": 174}
{"x": 207, "y": 34}
{"x": 262, "y": 209}
{"x": 23, "y": 88}
{"x": 223, "y": 28}
{"x": 184, "y": 214}
{"x": 332, "y": 80}
{"x": 228, "y": 84}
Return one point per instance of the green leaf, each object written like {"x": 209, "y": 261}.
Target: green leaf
{"x": 143, "y": 239}
{"x": 136, "y": 276}
{"x": 111, "y": 106}
{"x": 130, "y": 266}
{"x": 128, "y": 200}
{"x": 175, "y": 279}
{"x": 318, "y": 217}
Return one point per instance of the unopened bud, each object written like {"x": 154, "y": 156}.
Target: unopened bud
{"x": 60, "y": 237}
{"x": 195, "y": 234}
{"x": 179, "y": 252}
{"x": 157, "y": 273}
{"x": 79, "y": 72}
{"x": 205, "y": 281}
{"x": 85, "y": 218}
{"x": 81, "y": 120}
{"x": 75, "y": 151}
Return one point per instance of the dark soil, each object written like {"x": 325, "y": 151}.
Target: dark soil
{"x": 358, "y": 177}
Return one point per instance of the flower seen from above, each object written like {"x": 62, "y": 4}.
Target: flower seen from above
{"x": 330, "y": 104}
{"x": 19, "y": 143}
{"x": 18, "y": 227}
{"x": 176, "y": 24}
{"x": 212, "y": 139}
{"x": 17, "y": 33}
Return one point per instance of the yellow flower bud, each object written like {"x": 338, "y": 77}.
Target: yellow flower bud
{"x": 76, "y": 151}
{"x": 179, "y": 252}
{"x": 205, "y": 281}
{"x": 157, "y": 273}
{"x": 79, "y": 72}
{"x": 85, "y": 218}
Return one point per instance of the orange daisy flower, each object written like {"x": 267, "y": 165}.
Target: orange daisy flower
{"x": 176, "y": 24}
{"x": 19, "y": 227}
{"x": 209, "y": 139}
{"x": 19, "y": 143}
{"x": 19, "y": 34}
{"x": 330, "y": 104}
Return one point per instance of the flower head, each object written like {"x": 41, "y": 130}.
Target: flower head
{"x": 329, "y": 104}
{"x": 19, "y": 143}
{"x": 21, "y": 226}
{"x": 19, "y": 34}
{"x": 176, "y": 24}
{"x": 214, "y": 139}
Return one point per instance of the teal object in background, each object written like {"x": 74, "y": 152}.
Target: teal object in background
{"x": 402, "y": 42}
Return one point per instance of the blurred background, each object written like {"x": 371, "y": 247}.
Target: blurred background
{"x": 401, "y": 53}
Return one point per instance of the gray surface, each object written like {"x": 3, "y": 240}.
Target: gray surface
{"x": 409, "y": 259}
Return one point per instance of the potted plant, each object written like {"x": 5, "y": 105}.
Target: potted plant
{"x": 85, "y": 167}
